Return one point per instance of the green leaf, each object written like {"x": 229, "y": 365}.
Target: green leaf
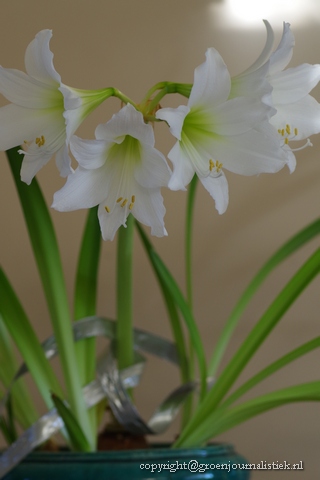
{"x": 171, "y": 309}
{"x": 272, "y": 368}
{"x": 24, "y": 408}
{"x": 285, "y": 251}
{"x": 7, "y": 425}
{"x": 255, "y": 338}
{"x": 172, "y": 287}
{"x": 223, "y": 418}
{"x": 46, "y": 252}
{"x": 77, "y": 437}
{"x": 26, "y": 340}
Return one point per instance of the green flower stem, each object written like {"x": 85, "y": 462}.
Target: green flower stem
{"x": 85, "y": 299}
{"x": 169, "y": 87}
{"x": 46, "y": 251}
{"x": 116, "y": 93}
{"x": 125, "y": 353}
{"x": 86, "y": 292}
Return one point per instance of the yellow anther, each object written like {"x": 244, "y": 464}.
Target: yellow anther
{"x": 282, "y": 132}
{"x": 286, "y": 141}
{"x": 279, "y": 130}
{"x": 133, "y": 198}
{"x": 288, "y": 129}
{"x": 40, "y": 141}
{"x": 107, "y": 209}
{"x": 119, "y": 199}
{"x": 215, "y": 164}
{"x": 131, "y": 206}
{"x": 296, "y": 131}
{"x": 125, "y": 201}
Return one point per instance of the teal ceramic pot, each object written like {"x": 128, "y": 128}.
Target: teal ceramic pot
{"x": 216, "y": 462}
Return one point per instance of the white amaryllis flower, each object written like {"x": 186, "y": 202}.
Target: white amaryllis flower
{"x": 215, "y": 133}
{"x": 44, "y": 113}
{"x": 120, "y": 171}
{"x": 297, "y": 113}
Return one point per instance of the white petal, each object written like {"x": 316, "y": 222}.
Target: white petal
{"x": 90, "y": 154}
{"x": 175, "y": 118}
{"x": 303, "y": 115}
{"x": 153, "y": 170}
{"x": 238, "y": 115}
{"x": 83, "y": 189}
{"x": 265, "y": 54}
{"x": 252, "y": 84}
{"x": 149, "y": 210}
{"x": 291, "y": 159}
{"x": 110, "y": 222}
{"x": 183, "y": 170}
{"x": 32, "y": 164}
{"x": 211, "y": 81}
{"x": 18, "y": 124}
{"x": 218, "y": 189}
{"x": 128, "y": 121}
{"x": 250, "y": 153}
{"x": 39, "y": 59}
{"x": 282, "y": 56}
{"x": 25, "y": 91}
{"x": 294, "y": 83}
{"x": 63, "y": 161}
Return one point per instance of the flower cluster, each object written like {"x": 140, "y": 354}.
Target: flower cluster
{"x": 244, "y": 124}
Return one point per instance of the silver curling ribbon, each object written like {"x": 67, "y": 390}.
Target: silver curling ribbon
{"x": 110, "y": 383}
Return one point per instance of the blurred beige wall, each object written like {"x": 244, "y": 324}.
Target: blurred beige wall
{"x": 131, "y": 45}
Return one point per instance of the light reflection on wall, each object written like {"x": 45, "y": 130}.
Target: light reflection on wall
{"x": 248, "y": 12}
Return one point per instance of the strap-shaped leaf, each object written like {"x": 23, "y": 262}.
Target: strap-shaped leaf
{"x": 46, "y": 252}
{"x": 255, "y": 338}
{"x": 296, "y": 242}
{"x": 171, "y": 286}
{"x": 225, "y": 418}
{"x": 26, "y": 340}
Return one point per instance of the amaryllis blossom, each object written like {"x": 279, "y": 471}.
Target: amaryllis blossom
{"x": 297, "y": 113}
{"x": 43, "y": 113}
{"x": 120, "y": 171}
{"x": 215, "y": 133}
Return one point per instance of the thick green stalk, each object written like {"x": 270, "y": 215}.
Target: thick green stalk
{"x": 85, "y": 298}
{"x": 125, "y": 353}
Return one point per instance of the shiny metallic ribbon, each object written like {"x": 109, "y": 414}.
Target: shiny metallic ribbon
{"x": 110, "y": 383}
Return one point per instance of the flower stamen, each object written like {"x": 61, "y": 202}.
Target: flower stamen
{"x": 215, "y": 165}
{"x": 107, "y": 209}
{"x": 290, "y": 134}
{"x": 133, "y": 199}
{"x": 40, "y": 141}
